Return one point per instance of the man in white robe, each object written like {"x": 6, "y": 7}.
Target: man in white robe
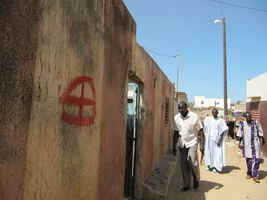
{"x": 215, "y": 129}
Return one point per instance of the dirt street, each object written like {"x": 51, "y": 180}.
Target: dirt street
{"x": 232, "y": 184}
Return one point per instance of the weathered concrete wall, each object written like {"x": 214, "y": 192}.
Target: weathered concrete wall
{"x": 18, "y": 41}
{"x": 162, "y": 123}
{"x": 155, "y": 137}
{"x": 52, "y": 62}
{"x": 64, "y": 73}
{"x": 63, "y": 137}
{"x": 119, "y": 34}
{"x": 263, "y": 112}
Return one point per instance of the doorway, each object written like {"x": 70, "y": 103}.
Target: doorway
{"x": 133, "y": 110}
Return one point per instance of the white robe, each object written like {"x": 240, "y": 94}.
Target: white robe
{"x": 214, "y": 154}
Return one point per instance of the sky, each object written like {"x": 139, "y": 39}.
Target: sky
{"x": 186, "y": 27}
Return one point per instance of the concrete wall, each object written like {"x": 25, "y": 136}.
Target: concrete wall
{"x": 64, "y": 73}
{"x": 18, "y": 53}
{"x": 119, "y": 39}
{"x": 263, "y": 113}
{"x": 64, "y": 129}
{"x": 202, "y": 102}
{"x": 157, "y": 125}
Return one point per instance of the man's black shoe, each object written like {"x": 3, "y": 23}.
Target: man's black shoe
{"x": 196, "y": 184}
{"x": 184, "y": 189}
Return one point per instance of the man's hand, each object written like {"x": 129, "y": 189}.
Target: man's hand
{"x": 175, "y": 140}
{"x": 220, "y": 140}
{"x": 262, "y": 141}
{"x": 200, "y": 135}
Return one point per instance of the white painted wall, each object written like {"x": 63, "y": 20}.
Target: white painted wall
{"x": 257, "y": 87}
{"x": 202, "y": 102}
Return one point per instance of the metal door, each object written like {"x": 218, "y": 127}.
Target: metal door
{"x": 131, "y": 138}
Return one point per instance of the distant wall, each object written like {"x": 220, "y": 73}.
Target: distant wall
{"x": 155, "y": 137}
{"x": 202, "y": 102}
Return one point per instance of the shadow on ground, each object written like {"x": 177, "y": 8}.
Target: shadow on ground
{"x": 198, "y": 194}
{"x": 205, "y": 186}
{"x": 228, "y": 169}
{"x": 262, "y": 174}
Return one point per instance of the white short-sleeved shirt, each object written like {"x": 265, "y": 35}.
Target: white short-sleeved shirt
{"x": 188, "y": 128}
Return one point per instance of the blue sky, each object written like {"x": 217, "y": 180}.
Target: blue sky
{"x": 186, "y": 27}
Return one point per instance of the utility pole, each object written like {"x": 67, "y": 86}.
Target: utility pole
{"x": 177, "y": 79}
{"x": 222, "y": 21}
{"x": 225, "y": 70}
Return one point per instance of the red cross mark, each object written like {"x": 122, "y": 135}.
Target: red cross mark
{"x": 66, "y": 98}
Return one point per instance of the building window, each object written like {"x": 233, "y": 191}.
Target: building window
{"x": 155, "y": 82}
{"x": 167, "y": 111}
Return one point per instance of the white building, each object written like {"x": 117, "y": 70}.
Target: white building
{"x": 202, "y": 102}
{"x": 256, "y": 88}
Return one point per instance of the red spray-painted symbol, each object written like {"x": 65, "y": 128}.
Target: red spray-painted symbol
{"x": 81, "y": 101}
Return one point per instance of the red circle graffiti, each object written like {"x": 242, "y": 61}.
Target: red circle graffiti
{"x": 66, "y": 98}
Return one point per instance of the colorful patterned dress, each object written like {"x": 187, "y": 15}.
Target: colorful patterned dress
{"x": 251, "y": 134}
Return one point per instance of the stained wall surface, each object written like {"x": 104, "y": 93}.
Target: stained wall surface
{"x": 63, "y": 137}
{"x": 155, "y": 134}
{"x": 18, "y": 52}
{"x": 119, "y": 34}
{"x": 64, "y": 68}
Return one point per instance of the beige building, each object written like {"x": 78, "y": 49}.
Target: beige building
{"x": 181, "y": 96}
{"x": 240, "y": 107}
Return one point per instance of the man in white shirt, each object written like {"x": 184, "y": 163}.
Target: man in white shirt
{"x": 189, "y": 126}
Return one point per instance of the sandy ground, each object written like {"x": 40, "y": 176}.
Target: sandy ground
{"x": 232, "y": 184}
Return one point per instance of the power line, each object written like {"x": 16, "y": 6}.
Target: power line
{"x": 238, "y": 6}
{"x": 160, "y": 54}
